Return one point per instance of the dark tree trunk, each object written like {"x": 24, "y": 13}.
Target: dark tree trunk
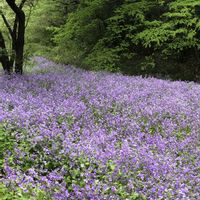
{"x": 4, "y": 57}
{"x": 18, "y": 35}
{"x": 20, "y": 44}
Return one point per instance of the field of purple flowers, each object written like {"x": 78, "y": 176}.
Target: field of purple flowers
{"x": 74, "y": 134}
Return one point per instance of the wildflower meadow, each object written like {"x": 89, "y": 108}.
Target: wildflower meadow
{"x": 67, "y": 133}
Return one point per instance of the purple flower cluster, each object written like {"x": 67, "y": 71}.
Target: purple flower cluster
{"x": 96, "y": 135}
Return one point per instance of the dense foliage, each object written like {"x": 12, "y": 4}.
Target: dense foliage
{"x": 135, "y": 37}
{"x": 95, "y": 135}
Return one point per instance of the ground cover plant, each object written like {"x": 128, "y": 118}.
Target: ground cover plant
{"x": 66, "y": 133}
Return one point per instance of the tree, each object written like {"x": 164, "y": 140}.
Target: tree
{"x": 16, "y": 32}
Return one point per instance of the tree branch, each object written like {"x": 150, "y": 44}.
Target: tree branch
{"x": 7, "y": 24}
{"x": 14, "y": 7}
{"x": 21, "y": 5}
{"x": 28, "y": 17}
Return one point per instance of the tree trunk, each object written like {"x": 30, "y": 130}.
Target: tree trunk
{"x": 20, "y": 44}
{"x": 4, "y": 57}
{"x": 18, "y": 35}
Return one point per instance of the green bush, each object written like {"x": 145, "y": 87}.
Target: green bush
{"x": 84, "y": 27}
{"x": 175, "y": 31}
{"x": 102, "y": 58}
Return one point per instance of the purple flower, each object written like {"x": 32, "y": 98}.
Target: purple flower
{"x": 78, "y": 134}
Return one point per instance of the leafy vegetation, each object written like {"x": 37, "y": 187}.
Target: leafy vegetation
{"x": 145, "y": 37}
{"x": 159, "y": 38}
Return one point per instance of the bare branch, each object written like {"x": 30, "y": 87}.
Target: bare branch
{"x": 29, "y": 16}
{"x": 7, "y": 24}
{"x": 21, "y": 5}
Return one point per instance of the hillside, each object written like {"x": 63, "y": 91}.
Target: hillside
{"x": 67, "y": 133}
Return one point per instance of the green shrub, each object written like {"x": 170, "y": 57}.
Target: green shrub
{"x": 118, "y": 44}
{"x": 84, "y": 27}
{"x": 175, "y": 31}
{"x": 103, "y": 59}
